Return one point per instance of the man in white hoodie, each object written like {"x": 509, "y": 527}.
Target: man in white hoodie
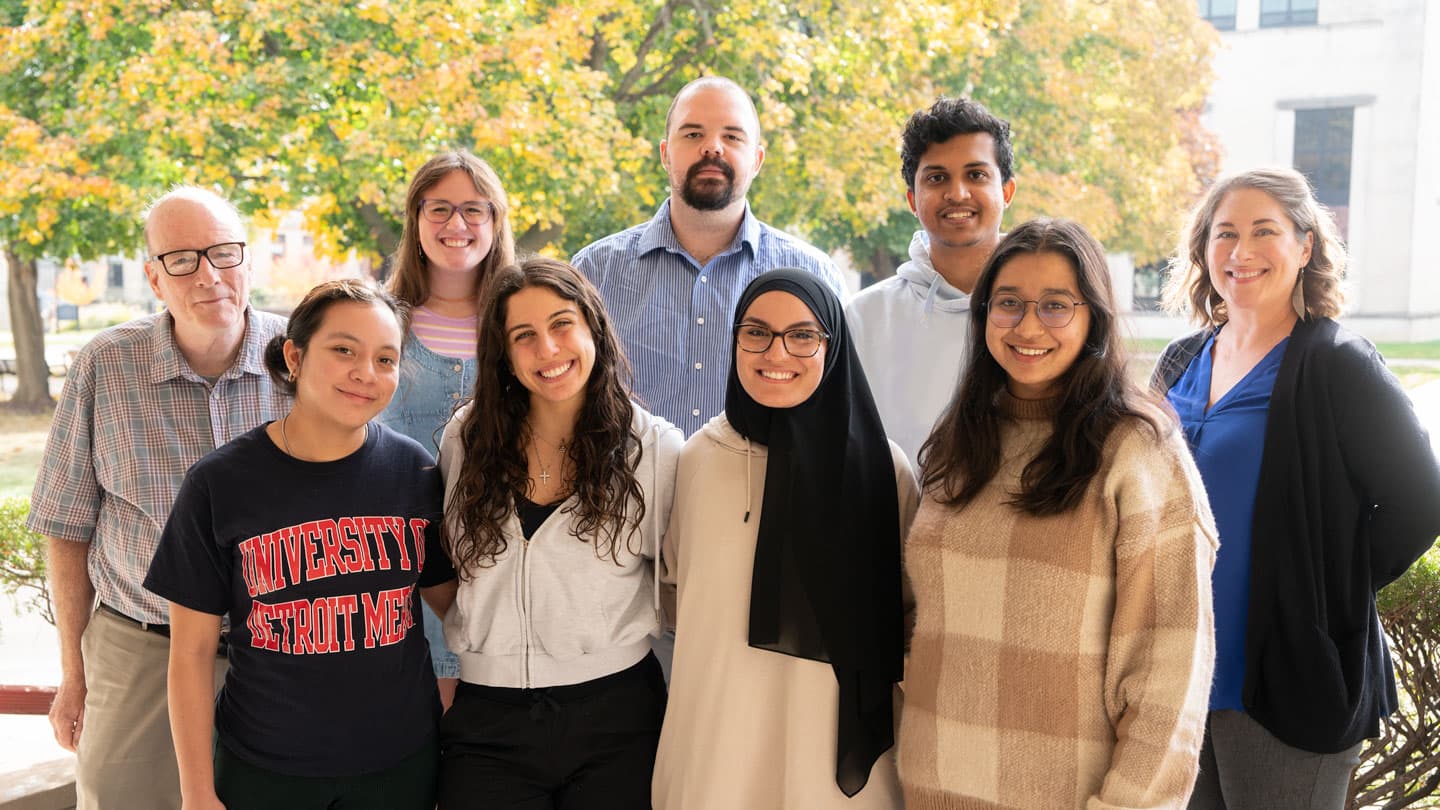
{"x": 911, "y": 329}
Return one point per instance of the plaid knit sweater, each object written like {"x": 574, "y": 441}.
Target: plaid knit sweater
{"x": 1064, "y": 661}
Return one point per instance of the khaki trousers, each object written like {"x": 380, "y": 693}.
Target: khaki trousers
{"x": 126, "y": 758}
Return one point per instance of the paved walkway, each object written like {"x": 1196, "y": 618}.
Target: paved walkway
{"x": 1427, "y": 406}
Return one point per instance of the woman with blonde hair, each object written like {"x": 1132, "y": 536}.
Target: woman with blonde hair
{"x": 1323, "y": 483}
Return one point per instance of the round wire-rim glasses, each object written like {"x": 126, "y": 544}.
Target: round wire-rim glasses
{"x": 1055, "y": 311}
{"x": 800, "y": 342}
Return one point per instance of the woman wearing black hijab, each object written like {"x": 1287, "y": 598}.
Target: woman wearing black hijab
{"x": 784, "y": 543}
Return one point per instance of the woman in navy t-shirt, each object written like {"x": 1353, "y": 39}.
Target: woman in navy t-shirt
{"x": 310, "y": 533}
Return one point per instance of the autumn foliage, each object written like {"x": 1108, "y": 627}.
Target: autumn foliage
{"x": 328, "y": 107}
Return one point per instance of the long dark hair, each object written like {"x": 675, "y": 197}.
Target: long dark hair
{"x": 494, "y": 435}
{"x": 962, "y": 455}
{"x": 409, "y": 281}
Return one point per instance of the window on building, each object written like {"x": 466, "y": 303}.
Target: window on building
{"x": 1219, "y": 13}
{"x": 1277, "y": 13}
{"x": 115, "y": 275}
{"x": 1323, "y": 140}
{"x": 1148, "y": 285}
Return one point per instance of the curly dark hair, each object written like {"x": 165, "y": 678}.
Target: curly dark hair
{"x": 494, "y": 435}
{"x": 945, "y": 119}
{"x": 962, "y": 455}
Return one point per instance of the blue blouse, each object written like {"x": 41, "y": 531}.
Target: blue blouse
{"x": 1226, "y": 441}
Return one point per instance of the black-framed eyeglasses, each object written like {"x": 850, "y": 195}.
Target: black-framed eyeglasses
{"x": 798, "y": 342}
{"x": 222, "y": 256}
{"x": 475, "y": 212}
{"x": 1055, "y": 311}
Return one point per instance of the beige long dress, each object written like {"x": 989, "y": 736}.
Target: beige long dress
{"x": 745, "y": 728}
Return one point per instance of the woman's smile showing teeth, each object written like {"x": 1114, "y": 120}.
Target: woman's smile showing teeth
{"x": 454, "y": 245}
{"x": 1026, "y": 351}
{"x": 779, "y": 350}
{"x": 552, "y": 373}
{"x": 1036, "y": 321}
{"x": 551, "y": 348}
{"x": 779, "y": 376}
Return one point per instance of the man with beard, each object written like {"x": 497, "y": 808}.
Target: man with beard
{"x": 910, "y": 329}
{"x": 671, "y": 284}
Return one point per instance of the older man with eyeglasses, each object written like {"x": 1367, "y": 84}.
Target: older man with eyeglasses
{"x": 142, "y": 402}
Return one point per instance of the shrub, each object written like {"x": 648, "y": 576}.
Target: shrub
{"x": 22, "y": 558}
{"x": 1401, "y": 767}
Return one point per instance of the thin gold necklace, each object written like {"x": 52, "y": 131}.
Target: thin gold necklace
{"x": 544, "y": 468}
{"x": 285, "y": 439}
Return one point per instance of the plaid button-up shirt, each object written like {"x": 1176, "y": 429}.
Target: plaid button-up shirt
{"x": 131, "y": 420}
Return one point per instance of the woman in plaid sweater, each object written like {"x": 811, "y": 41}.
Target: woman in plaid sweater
{"x": 1063, "y": 643}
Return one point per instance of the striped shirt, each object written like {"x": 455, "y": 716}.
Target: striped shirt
{"x": 447, "y": 337}
{"x": 131, "y": 420}
{"x": 673, "y": 313}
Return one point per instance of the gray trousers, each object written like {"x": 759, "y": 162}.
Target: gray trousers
{"x": 1243, "y": 767}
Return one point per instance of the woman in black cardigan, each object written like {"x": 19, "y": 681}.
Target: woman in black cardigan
{"x": 1324, "y": 487}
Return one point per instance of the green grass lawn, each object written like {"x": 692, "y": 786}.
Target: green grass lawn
{"x": 55, "y": 342}
{"x": 22, "y": 438}
{"x": 1428, "y": 350}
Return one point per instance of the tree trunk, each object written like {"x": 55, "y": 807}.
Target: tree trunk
{"x": 536, "y": 237}
{"x": 387, "y": 239}
{"x": 26, "y": 325}
{"x": 883, "y": 262}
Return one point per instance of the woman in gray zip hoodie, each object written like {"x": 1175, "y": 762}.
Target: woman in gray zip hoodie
{"x": 557, "y": 490}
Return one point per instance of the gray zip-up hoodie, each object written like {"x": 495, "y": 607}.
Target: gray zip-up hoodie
{"x": 551, "y": 611}
{"x": 911, "y": 331}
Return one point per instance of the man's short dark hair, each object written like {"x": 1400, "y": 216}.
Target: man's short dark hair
{"x": 945, "y": 119}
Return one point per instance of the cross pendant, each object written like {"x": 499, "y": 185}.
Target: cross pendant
{"x": 544, "y": 476}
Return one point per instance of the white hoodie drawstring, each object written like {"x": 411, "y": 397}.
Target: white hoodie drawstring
{"x": 930, "y": 298}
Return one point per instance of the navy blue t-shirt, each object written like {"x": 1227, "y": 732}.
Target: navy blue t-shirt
{"x": 317, "y": 565}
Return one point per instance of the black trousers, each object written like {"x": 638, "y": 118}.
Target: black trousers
{"x": 588, "y": 746}
{"x": 406, "y": 785}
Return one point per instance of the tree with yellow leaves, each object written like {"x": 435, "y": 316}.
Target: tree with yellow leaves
{"x": 327, "y": 108}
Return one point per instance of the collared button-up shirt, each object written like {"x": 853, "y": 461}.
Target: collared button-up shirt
{"x": 131, "y": 420}
{"x": 673, "y": 313}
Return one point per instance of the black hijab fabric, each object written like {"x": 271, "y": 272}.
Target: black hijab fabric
{"x": 826, "y": 581}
